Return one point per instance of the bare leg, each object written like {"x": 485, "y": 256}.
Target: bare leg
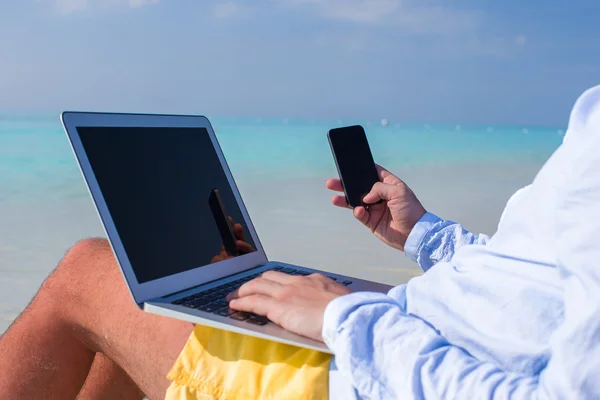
{"x": 82, "y": 309}
{"x": 108, "y": 381}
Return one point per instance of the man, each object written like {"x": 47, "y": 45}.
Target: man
{"x": 512, "y": 316}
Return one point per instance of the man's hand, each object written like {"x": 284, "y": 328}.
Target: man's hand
{"x": 392, "y": 220}
{"x": 297, "y": 303}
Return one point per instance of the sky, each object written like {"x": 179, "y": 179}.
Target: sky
{"x": 463, "y": 61}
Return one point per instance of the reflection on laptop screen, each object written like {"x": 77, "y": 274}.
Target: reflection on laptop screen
{"x": 168, "y": 196}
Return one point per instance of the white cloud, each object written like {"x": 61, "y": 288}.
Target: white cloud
{"x": 359, "y": 11}
{"x": 351, "y": 10}
{"x": 141, "y": 3}
{"x": 227, "y": 10}
{"x": 410, "y": 15}
{"x": 74, "y": 6}
{"x": 70, "y": 6}
{"x": 449, "y": 32}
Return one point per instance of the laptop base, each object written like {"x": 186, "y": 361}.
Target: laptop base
{"x": 166, "y": 307}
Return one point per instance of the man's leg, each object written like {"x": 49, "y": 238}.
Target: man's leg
{"x": 108, "y": 381}
{"x": 84, "y": 308}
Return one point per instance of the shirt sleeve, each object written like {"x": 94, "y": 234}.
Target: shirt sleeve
{"x": 433, "y": 240}
{"x": 387, "y": 354}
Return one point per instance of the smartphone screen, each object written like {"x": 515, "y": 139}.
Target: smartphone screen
{"x": 223, "y": 223}
{"x": 354, "y": 162}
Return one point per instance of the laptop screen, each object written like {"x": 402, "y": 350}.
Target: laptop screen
{"x": 168, "y": 196}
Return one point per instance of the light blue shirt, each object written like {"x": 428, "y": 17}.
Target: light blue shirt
{"x": 516, "y": 315}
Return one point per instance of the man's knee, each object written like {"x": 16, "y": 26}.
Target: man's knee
{"x": 85, "y": 251}
{"x": 89, "y": 263}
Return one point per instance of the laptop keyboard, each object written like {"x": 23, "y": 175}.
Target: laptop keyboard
{"x": 213, "y": 300}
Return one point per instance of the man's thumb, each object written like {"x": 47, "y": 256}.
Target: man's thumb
{"x": 380, "y": 191}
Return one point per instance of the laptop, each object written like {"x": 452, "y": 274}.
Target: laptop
{"x": 175, "y": 218}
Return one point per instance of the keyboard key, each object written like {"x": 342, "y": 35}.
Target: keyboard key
{"x": 346, "y": 283}
{"x": 220, "y": 303}
{"x": 256, "y": 320}
{"x": 226, "y": 312}
{"x": 208, "y": 308}
{"x": 287, "y": 270}
{"x": 332, "y": 278}
{"x": 277, "y": 269}
{"x": 199, "y": 302}
{"x": 299, "y": 273}
{"x": 240, "y": 316}
{"x": 178, "y": 302}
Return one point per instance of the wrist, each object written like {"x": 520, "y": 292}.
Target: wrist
{"x": 420, "y": 230}
{"x": 410, "y": 226}
{"x": 340, "y": 309}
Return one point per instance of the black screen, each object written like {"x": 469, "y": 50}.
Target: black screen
{"x": 354, "y": 162}
{"x": 157, "y": 184}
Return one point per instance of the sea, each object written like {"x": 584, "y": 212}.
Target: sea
{"x": 36, "y": 161}
{"x": 465, "y": 171}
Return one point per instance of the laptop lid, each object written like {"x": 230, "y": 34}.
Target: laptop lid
{"x": 166, "y": 198}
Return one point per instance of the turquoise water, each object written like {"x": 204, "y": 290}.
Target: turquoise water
{"x": 36, "y": 160}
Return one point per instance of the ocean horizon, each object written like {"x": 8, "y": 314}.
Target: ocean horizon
{"x": 36, "y": 159}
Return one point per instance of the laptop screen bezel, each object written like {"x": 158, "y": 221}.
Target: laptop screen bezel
{"x": 142, "y": 292}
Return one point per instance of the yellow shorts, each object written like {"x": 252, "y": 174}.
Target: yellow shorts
{"x": 217, "y": 364}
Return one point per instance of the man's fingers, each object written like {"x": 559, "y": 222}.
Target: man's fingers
{"x": 256, "y": 286}
{"x": 223, "y": 252}
{"x": 258, "y": 304}
{"x": 238, "y": 229}
{"x": 381, "y": 171}
{"x": 278, "y": 277}
{"x": 387, "y": 176}
{"x": 361, "y": 214}
{"x": 334, "y": 184}
{"x": 244, "y": 247}
{"x": 340, "y": 201}
{"x": 381, "y": 191}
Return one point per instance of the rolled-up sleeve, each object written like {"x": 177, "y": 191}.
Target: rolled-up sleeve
{"x": 433, "y": 240}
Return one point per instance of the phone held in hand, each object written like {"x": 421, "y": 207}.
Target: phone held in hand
{"x": 354, "y": 162}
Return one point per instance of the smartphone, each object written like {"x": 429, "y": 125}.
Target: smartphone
{"x": 354, "y": 162}
{"x": 223, "y": 223}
